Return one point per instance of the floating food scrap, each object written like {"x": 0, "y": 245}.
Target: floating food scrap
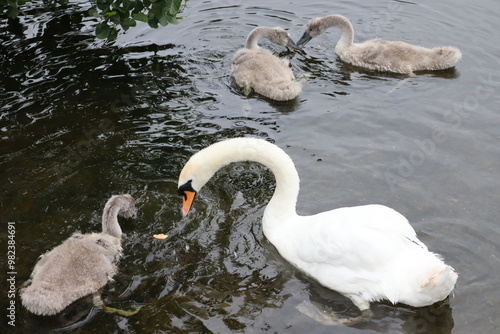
{"x": 160, "y": 236}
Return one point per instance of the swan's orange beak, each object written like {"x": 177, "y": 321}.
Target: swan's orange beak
{"x": 187, "y": 201}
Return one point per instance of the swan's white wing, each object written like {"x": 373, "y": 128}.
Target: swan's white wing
{"x": 361, "y": 237}
{"x": 355, "y": 251}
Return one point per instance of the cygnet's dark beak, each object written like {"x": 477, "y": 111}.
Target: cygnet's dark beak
{"x": 304, "y": 39}
{"x": 294, "y": 47}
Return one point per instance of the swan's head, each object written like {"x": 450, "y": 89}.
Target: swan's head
{"x": 205, "y": 163}
{"x": 281, "y": 37}
{"x": 196, "y": 173}
{"x": 117, "y": 205}
{"x": 188, "y": 194}
{"x": 315, "y": 27}
{"x": 125, "y": 204}
{"x": 318, "y": 25}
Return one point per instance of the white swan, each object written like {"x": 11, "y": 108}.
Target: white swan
{"x": 80, "y": 266}
{"x": 367, "y": 253}
{"x": 255, "y": 68}
{"x": 380, "y": 55}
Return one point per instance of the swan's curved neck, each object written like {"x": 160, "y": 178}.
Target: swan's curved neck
{"x": 110, "y": 219}
{"x": 284, "y": 199}
{"x": 345, "y": 26}
{"x": 254, "y": 37}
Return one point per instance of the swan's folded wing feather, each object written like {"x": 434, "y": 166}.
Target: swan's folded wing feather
{"x": 361, "y": 237}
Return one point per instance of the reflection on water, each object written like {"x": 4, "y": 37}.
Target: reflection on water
{"x": 81, "y": 120}
{"x": 72, "y": 317}
{"x": 388, "y": 318}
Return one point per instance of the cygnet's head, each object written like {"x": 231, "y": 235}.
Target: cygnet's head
{"x": 125, "y": 203}
{"x": 281, "y": 37}
{"x": 318, "y": 25}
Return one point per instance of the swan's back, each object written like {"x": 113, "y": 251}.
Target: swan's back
{"x": 265, "y": 73}
{"x": 80, "y": 266}
{"x": 369, "y": 252}
{"x": 255, "y": 68}
{"x": 398, "y": 57}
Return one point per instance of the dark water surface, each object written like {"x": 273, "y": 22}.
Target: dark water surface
{"x": 81, "y": 120}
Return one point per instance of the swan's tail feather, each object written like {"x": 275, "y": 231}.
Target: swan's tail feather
{"x": 439, "y": 284}
{"x": 42, "y": 301}
{"x": 428, "y": 280}
{"x": 280, "y": 91}
{"x": 441, "y": 278}
{"x": 446, "y": 57}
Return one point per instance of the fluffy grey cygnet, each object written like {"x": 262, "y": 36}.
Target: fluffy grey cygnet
{"x": 81, "y": 265}
{"x": 380, "y": 55}
{"x": 255, "y": 68}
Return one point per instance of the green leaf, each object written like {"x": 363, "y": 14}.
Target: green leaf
{"x": 93, "y": 12}
{"x": 102, "y": 30}
{"x": 157, "y": 9}
{"x": 173, "y": 6}
{"x": 12, "y": 12}
{"x": 140, "y": 17}
{"x": 128, "y": 23}
{"x": 172, "y": 20}
{"x": 113, "y": 33}
{"x": 163, "y": 20}
{"x": 153, "y": 22}
{"x": 102, "y": 6}
{"x": 122, "y": 10}
{"x": 116, "y": 19}
{"x": 126, "y": 5}
{"x": 139, "y": 6}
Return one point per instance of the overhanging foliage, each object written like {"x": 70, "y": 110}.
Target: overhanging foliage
{"x": 116, "y": 14}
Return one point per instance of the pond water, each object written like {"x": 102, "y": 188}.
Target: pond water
{"x": 81, "y": 120}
